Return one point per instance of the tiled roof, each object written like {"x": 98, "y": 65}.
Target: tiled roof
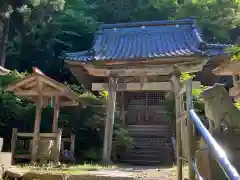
{"x": 155, "y": 39}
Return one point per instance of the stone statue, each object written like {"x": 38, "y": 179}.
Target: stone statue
{"x": 219, "y": 109}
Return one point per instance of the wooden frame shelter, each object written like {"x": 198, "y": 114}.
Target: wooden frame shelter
{"x": 41, "y": 89}
{"x": 139, "y": 57}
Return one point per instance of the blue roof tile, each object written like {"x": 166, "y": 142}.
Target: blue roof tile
{"x": 154, "y": 39}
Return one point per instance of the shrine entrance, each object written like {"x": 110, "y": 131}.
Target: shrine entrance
{"x": 145, "y": 108}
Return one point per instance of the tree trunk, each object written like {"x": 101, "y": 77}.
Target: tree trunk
{"x": 4, "y": 41}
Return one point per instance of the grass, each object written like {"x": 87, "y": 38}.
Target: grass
{"x": 85, "y": 169}
{"x": 63, "y": 169}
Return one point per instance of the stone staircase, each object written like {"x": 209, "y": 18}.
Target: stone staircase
{"x": 152, "y": 145}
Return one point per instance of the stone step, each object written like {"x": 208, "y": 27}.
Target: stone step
{"x": 153, "y": 146}
{"x": 149, "y": 156}
{"x": 141, "y": 128}
{"x": 152, "y": 141}
{"x": 145, "y": 162}
{"x": 150, "y": 134}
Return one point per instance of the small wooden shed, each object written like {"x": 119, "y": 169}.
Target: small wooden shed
{"x": 43, "y": 90}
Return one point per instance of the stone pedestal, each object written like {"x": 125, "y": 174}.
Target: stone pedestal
{"x": 206, "y": 163}
{"x": 5, "y": 159}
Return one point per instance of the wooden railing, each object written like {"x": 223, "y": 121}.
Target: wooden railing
{"x": 56, "y": 147}
{"x": 193, "y": 122}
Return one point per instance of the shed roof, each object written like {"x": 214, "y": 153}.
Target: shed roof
{"x": 154, "y": 39}
{"x": 28, "y": 88}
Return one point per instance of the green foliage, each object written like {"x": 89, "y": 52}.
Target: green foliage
{"x": 11, "y": 77}
{"x": 235, "y": 51}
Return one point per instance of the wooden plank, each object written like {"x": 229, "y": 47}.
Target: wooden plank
{"x": 22, "y": 156}
{"x": 164, "y": 86}
{"x": 41, "y": 135}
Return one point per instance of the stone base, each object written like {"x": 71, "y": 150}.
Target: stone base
{"x": 6, "y": 159}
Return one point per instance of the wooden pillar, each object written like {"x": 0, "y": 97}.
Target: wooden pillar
{"x": 190, "y": 130}
{"x": 36, "y": 132}
{"x": 72, "y": 140}
{"x": 122, "y": 108}
{"x": 235, "y": 79}
{"x": 58, "y": 144}
{"x": 107, "y": 146}
{"x": 55, "y": 114}
{"x": 176, "y": 89}
{"x": 13, "y": 143}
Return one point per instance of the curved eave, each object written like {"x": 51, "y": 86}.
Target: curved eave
{"x": 142, "y": 61}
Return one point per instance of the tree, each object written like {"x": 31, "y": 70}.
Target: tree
{"x": 22, "y": 16}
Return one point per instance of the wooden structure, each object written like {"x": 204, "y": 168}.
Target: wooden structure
{"x": 41, "y": 89}
{"x": 138, "y": 63}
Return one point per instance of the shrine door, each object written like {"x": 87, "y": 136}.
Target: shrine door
{"x": 145, "y": 108}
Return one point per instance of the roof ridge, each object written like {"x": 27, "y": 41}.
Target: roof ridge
{"x": 190, "y": 21}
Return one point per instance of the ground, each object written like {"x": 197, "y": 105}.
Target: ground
{"x": 91, "y": 172}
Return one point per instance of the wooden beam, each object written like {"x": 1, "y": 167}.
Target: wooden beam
{"x": 146, "y": 70}
{"x": 69, "y": 103}
{"x": 164, "y": 86}
{"x": 24, "y": 81}
{"x": 23, "y": 93}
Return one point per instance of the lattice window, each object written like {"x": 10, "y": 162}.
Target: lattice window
{"x": 155, "y": 98}
{"x": 136, "y": 98}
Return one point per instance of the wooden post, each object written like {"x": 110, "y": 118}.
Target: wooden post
{"x": 36, "y": 132}
{"x": 176, "y": 88}
{"x": 58, "y": 144}
{"x": 107, "y": 147}
{"x": 13, "y": 143}
{"x": 122, "y": 108}
{"x": 190, "y": 129}
{"x": 235, "y": 79}
{"x": 72, "y": 141}
{"x": 55, "y": 114}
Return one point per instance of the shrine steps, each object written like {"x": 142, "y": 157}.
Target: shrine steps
{"x": 152, "y": 145}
